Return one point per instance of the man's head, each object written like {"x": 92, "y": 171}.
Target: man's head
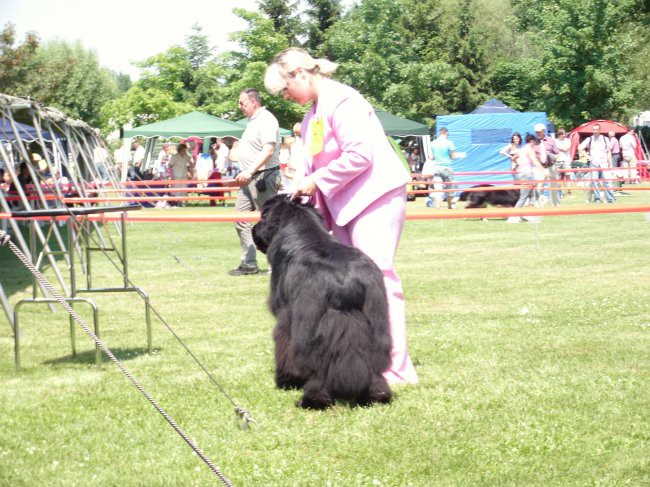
{"x": 540, "y": 130}
{"x": 181, "y": 149}
{"x": 596, "y": 130}
{"x": 297, "y": 130}
{"x": 249, "y": 101}
{"x": 443, "y": 132}
{"x": 611, "y": 133}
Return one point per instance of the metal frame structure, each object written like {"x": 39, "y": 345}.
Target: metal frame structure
{"x": 77, "y": 216}
{"x": 68, "y": 147}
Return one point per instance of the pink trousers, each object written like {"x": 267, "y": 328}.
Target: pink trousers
{"x": 377, "y": 231}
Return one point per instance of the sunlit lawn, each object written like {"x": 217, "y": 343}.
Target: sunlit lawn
{"x": 532, "y": 343}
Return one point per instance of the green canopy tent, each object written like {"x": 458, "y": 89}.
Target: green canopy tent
{"x": 194, "y": 124}
{"x": 400, "y": 127}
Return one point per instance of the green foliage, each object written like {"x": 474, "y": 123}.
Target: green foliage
{"x": 69, "y": 77}
{"x": 586, "y": 65}
{"x": 139, "y": 106}
{"x": 283, "y": 15}
{"x": 14, "y": 60}
{"x": 321, "y": 15}
{"x": 245, "y": 68}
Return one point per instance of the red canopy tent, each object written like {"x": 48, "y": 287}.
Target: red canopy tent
{"x": 606, "y": 126}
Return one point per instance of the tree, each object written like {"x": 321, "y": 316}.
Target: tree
{"x": 69, "y": 77}
{"x": 283, "y": 15}
{"x": 139, "y": 106}
{"x": 198, "y": 48}
{"x": 14, "y": 60}
{"x": 585, "y": 67}
{"x": 244, "y": 68}
{"x": 386, "y": 53}
{"x": 321, "y": 15}
{"x": 466, "y": 55}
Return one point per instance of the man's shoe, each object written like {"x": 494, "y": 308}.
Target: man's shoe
{"x": 244, "y": 271}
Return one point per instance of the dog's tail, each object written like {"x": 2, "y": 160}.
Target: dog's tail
{"x": 347, "y": 351}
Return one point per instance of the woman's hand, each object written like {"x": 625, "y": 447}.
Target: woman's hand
{"x": 307, "y": 187}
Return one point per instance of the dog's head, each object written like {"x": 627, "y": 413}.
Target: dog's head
{"x": 276, "y": 214}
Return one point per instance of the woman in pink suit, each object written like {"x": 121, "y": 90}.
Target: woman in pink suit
{"x": 354, "y": 175}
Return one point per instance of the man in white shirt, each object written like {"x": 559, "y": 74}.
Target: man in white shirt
{"x": 598, "y": 152}
{"x": 259, "y": 178}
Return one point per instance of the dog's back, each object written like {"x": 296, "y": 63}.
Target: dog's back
{"x": 494, "y": 197}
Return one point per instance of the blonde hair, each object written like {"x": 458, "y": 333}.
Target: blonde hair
{"x": 286, "y": 62}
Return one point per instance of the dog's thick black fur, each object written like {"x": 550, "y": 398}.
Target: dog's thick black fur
{"x": 332, "y": 336}
{"x": 481, "y": 199}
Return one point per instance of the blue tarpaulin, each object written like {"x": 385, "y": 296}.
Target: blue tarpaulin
{"x": 26, "y": 133}
{"x": 479, "y": 138}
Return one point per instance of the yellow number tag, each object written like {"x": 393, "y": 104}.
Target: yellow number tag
{"x": 316, "y": 136}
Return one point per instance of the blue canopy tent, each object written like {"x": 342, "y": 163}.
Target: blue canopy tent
{"x": 479, "y": 137}
{"x": 493, "y": 106}
{"x": 26, "y": 133}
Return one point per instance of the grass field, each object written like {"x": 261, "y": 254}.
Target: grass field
{"x": 532, "y": 344}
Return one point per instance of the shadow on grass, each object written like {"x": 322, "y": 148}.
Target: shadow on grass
{"x": 88, "y": 356}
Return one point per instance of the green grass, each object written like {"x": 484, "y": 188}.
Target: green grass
{"x": 532, "y": 344}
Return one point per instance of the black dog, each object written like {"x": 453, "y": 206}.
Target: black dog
{"x": 332, "y": 336}
{"x": 481, "y": 199}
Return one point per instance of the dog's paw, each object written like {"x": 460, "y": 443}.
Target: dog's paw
{"x": 309, "y": 403}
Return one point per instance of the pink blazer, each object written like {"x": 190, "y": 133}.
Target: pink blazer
{"x": 357, "y": 165}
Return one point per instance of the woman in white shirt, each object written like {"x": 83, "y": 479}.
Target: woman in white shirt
{"x": 511, "y": 151}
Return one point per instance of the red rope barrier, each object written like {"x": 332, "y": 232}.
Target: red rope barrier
{"x": 140, "y": 216}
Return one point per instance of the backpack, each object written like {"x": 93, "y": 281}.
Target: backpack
{"x": 608, "y": 146}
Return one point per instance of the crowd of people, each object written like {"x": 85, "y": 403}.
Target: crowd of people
{"x": 545, "y": 162}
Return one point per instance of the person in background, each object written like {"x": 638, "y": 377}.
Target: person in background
{"x": 546, "y": 151}
{"x": 599, "y": 155}
{"x": 527, "y": 166}
{"x": 296, "y": 171}
{"x": 628, "y": 146}
{"x": 222, "y": 155}
{"x": 415, "y": 159}
{"x": 180, "y": 165}
{"x": 285, "y": 159}
{"x": 160, "y": 166}
{"x": 511, "y": 151}
{"x": 615, "y": 148}
{"x": 353, "y": 174}
{"x": 443, "y": 152}
{"x": 233, "y": 159}
{"x": 138, "y": 154}
{"x": 563, "y": 161}
{"x": 259, "y": 178}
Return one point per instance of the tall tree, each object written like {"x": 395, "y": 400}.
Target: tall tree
{"x": 244, "y": 68}
{"x": 466, "y": 55}
{"x": 321, "y": 15}
{"x": 198, "y": 47}
{"x": 15, "y": 60}
{"x": 284, "y": 15}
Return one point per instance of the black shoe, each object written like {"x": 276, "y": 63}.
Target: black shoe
{"x": 244, "y": 271}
